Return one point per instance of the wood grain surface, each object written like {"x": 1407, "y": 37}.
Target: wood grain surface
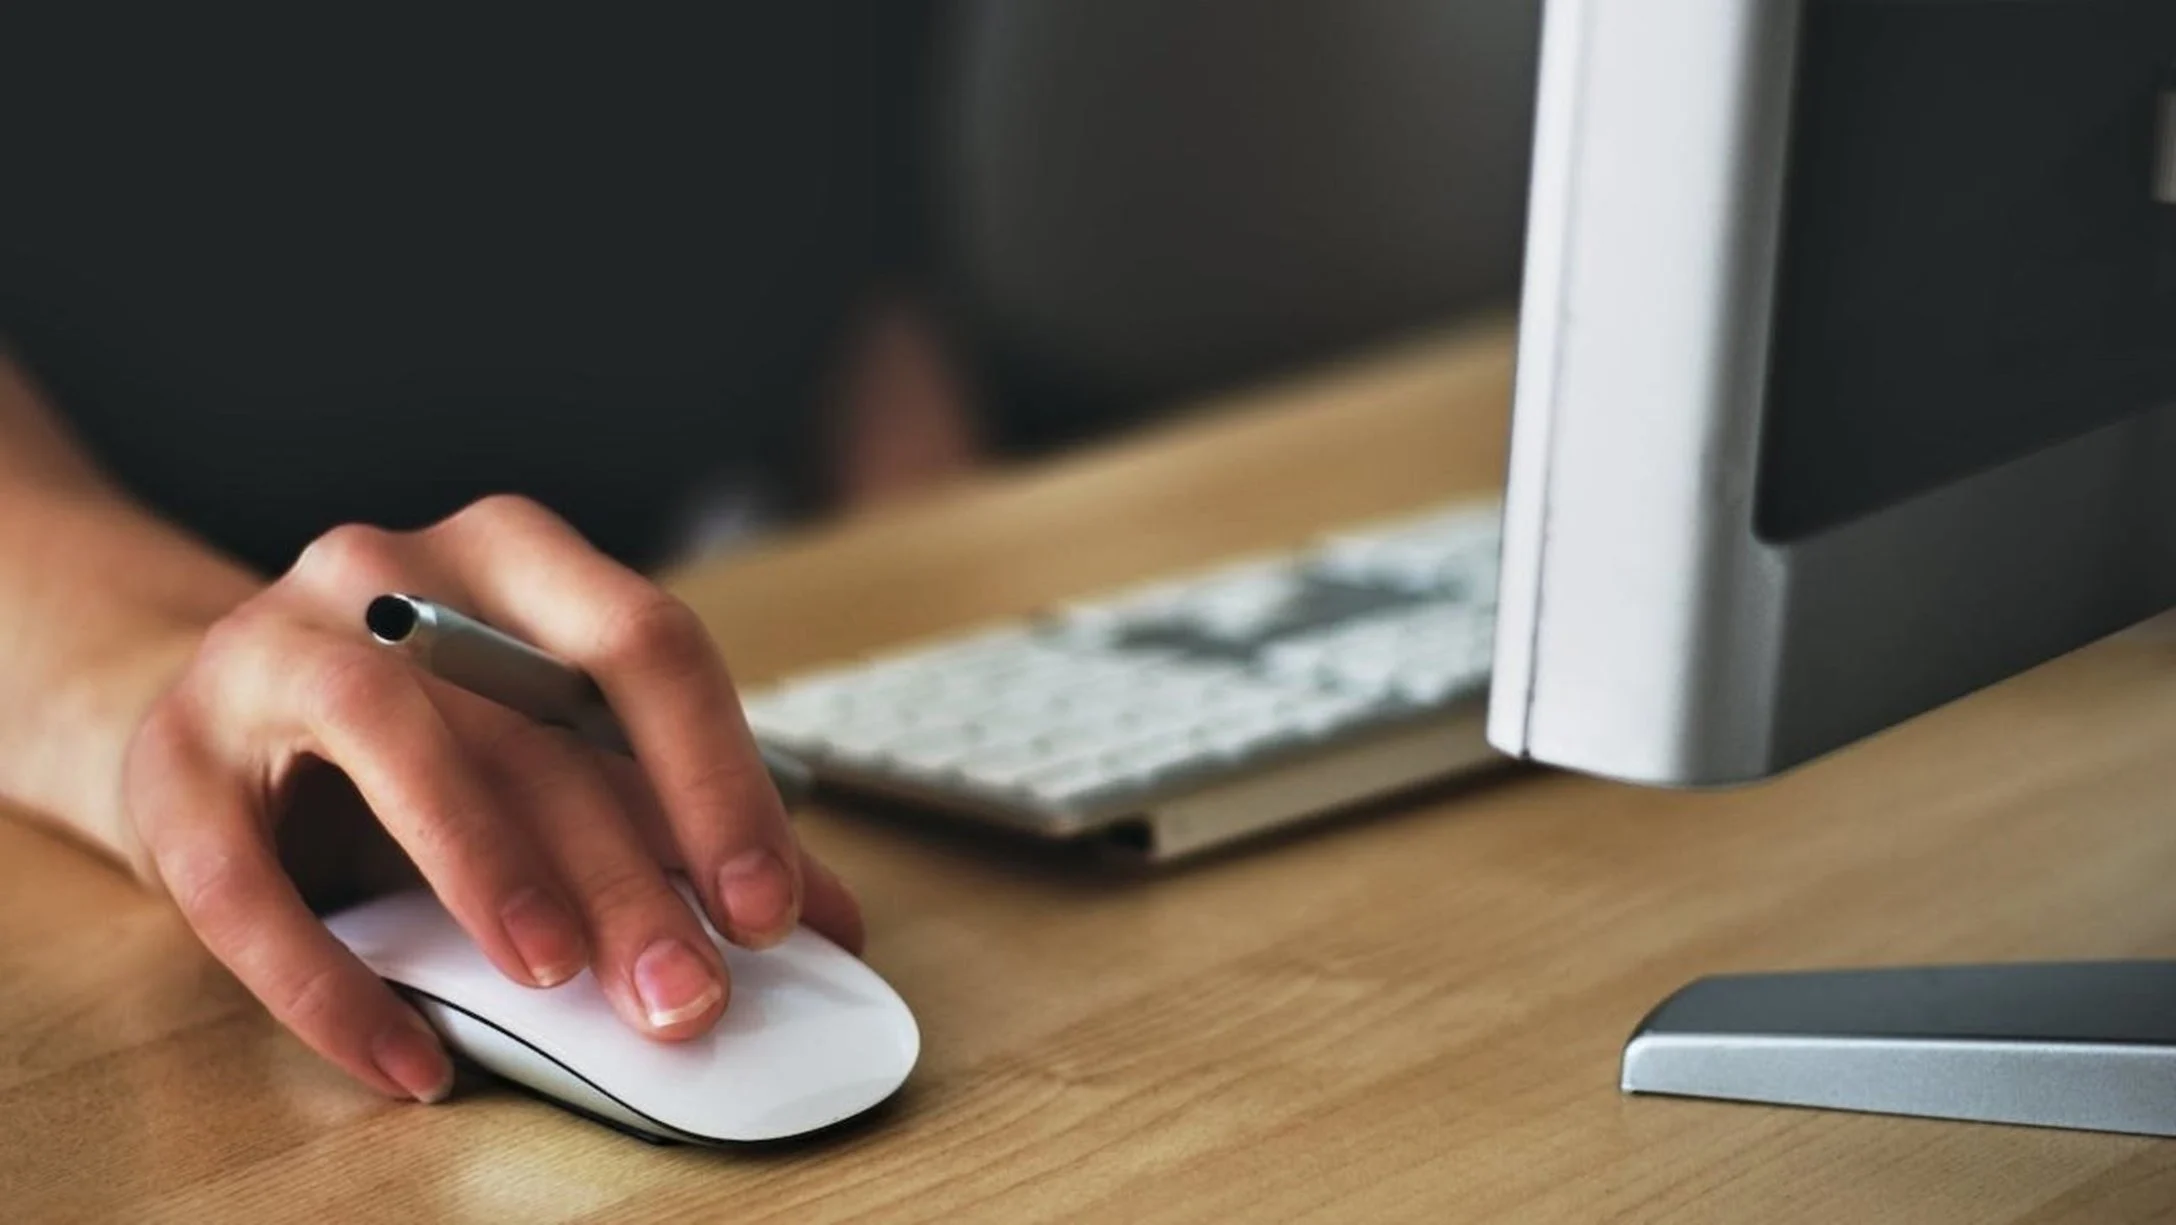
{"x": 1413, "y": 1014}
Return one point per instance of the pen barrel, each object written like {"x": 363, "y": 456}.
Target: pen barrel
{"x": 474, "y": 656}
{"x": 493, "y": 664}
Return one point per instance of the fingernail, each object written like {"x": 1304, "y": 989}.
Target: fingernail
{"x": 674, "y": 983}
{"x": 410, "y": 1056}
{"x": 757, "y": 895}
{"x": 545, "y": 935}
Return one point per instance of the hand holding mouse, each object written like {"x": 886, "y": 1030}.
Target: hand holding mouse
{"x": 551, "y": 855}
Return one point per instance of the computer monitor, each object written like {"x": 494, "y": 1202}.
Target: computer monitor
{"x": 1846, "y": 386}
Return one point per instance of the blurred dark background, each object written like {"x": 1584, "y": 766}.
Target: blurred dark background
{"x": 286, "y": 268}
{"x": 1143, "y": 201}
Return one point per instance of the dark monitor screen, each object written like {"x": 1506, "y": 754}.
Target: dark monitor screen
{"x": 1974, "y": 265}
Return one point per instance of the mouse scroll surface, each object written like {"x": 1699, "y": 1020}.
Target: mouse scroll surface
{"x": 810, "y": 1036}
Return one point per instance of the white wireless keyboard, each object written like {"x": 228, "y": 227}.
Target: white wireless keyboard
{"x": 1187, "y": 713}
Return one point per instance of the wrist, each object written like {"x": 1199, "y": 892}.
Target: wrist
{"x": 101, "y": 607}
{"x": 109, "y": 608}
{"x": 69, "y": 772}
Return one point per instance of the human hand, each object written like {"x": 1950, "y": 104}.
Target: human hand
{"x": 552, "y": 856}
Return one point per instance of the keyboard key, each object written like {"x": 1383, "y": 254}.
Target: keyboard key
{"x": 1332, "y": 712}
{"x": 1005, "y": 770}
{"x": 1237, "y": 603}
{"x": 1150, "y": 602}
{"x": 936, "y": 751}
{"x": 1428, "y": 687}
{"x": 788, "y": 729}
{"x": 1241, "y": 739}
{"x": 1070, "y": 782}
{"x": 1152, "y": 761}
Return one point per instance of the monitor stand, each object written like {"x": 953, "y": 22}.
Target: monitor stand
{"x": 2089, "y": 1045}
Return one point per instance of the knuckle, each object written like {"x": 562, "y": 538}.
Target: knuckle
{"x": 161, "y": 743}
{"x": 725, "y": 786}
{"x": 204, "y": 879}
{"x": 165, "y": 750}
{"x": 497, "y": 510}
{"x": 344, "y": 551}
{"x": 164, "y": 733}
{"x": 539, "y": 765}
{"x": 230, "y": 640}
{"x": 519, "y": 746}
{"x": 347, "y": 560}
{"x": 312, "y": 1003}
{"x": 621, "y": 895}
{"x": 470, "y": 850}
{"x": 217, "y": 699}
{"x": 358, "y": 689}
{"x": 654, "y": 632}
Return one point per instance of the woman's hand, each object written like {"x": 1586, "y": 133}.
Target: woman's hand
{"x": 551, "y": 855}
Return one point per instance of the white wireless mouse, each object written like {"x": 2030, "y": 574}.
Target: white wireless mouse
{"x": 810, "y": 1036}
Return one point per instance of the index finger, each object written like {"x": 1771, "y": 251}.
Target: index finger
{"x": 531, "y": 574}
{"x": 225, "y": 877}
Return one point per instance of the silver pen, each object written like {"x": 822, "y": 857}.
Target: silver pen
{"x": 494, "y": 664}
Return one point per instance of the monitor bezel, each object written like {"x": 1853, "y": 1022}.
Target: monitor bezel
{"x": 1645, "y": 631}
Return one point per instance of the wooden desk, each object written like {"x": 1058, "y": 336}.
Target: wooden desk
{"x": 1412, "y": 1016}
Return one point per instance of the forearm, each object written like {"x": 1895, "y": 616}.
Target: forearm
{"x": 100, "y": 605}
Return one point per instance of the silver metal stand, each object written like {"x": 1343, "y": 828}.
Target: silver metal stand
{"x": 2089, "y": 1045}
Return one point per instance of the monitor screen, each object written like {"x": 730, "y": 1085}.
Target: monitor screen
{"x": 1974, "y": 264}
